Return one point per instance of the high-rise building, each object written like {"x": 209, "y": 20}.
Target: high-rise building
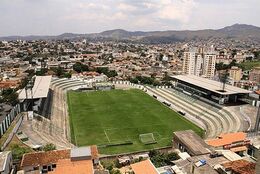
{"x": 199, "y": 63}
{"x": 192, "y": 63}
{"x": 209, "y": 61}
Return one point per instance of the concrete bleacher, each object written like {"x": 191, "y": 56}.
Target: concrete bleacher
{"x": 54, "y": 125}
{"x": 217, "y": 120}
{"x": 59, "y": 114}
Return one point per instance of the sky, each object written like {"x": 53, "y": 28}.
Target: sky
{"x": 53, "y": 17}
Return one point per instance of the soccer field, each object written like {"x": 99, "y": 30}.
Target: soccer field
{"x": 121, "y": 116}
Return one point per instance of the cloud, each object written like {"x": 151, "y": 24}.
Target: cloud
{"x": 179, "y": 10}
{"x": 23, "y": 17}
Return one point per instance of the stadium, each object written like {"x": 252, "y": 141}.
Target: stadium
{"x": 120, "y": 117}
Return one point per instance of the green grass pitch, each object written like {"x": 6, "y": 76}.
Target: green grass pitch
{"x": 107, "y": 117}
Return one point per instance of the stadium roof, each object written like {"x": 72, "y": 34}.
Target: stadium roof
{"x": 40, "y": 88}
{"x": 210, "y": 85}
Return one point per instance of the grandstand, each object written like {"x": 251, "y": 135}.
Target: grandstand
{"x": 48, "y": 100}
{"x": 210, "y": 89}
{"x": 214, "y": 118}
{"x": 38, "y": 97}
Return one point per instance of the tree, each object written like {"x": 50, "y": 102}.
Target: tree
{"x": 112, "y": 73}
{"x": 232, "y": 63}
{"x": 256, "y": 54}
{"x": 79, "y": 67}
{"x": 42, "y": 72}
{"x": 49, "y": 147}
{"x": 67, "y": 75}
{"x": 10, "y": 96}
{"x": 234, "y": 52}
{"x": 59, "y": 71}
{"x": 161, "y": 159}
{"x": 106, "y": 71}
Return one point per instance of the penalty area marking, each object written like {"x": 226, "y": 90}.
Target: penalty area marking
{"x": 107, "y": 136}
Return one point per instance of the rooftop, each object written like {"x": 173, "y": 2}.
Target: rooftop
{"x": 50, "y": 157}
{"x": 40, "y": 88}
{"x": 240, "y": 167}
{"x": 225, "y": 139}
{"x": 66, "y": 166}
{"x": 193, "y": 142}
{"x": 44, "y": 158}
{"x": 208, "y": 168}
{"x": 210, "y": 85}
{"x": 80, "y": 152}
{"x": 3, "y": 160}
{"x": 144, "y": 167}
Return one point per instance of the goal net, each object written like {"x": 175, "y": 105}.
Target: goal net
{"x": 147, "y": 138}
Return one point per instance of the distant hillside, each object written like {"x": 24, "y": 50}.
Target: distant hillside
{"x": 236, "y": 31}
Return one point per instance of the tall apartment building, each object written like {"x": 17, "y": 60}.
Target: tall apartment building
{"x": 199, "y": 63}
{"x": 209, "y": 61}
{"x": 192, "y": 63}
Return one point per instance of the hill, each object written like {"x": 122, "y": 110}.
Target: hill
{"x": 236, "y": 31}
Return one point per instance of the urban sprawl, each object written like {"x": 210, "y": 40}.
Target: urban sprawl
{"x": 90, "y": 107}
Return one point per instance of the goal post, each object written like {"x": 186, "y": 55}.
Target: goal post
{"x": 147, "y": 138}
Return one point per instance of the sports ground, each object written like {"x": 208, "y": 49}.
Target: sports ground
{"x": 111, "y": 118}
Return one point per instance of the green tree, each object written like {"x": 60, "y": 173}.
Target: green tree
{"x": 106, "y": 71}
{"x": 161, "y": 159}
{"x": 10, "y": 96}
{"x": 18, "y": 151}
{"x": 59, "y": 71}
{"x": 79, "y": 67}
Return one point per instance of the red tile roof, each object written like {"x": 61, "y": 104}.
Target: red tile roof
{"x": 144, "y": 167}
{"x": 240, "y": 167}
{"x": 44, "y": 158}
{"x": 225, "y": 139}
{"x": 66, "y": 166}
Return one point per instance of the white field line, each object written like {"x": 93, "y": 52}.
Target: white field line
{"x": 107, "y": 136}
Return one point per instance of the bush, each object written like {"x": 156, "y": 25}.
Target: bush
{"x": 108, "y": 164}
{"x": 49, "y": 147}
{"x": 18, "y": 151}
